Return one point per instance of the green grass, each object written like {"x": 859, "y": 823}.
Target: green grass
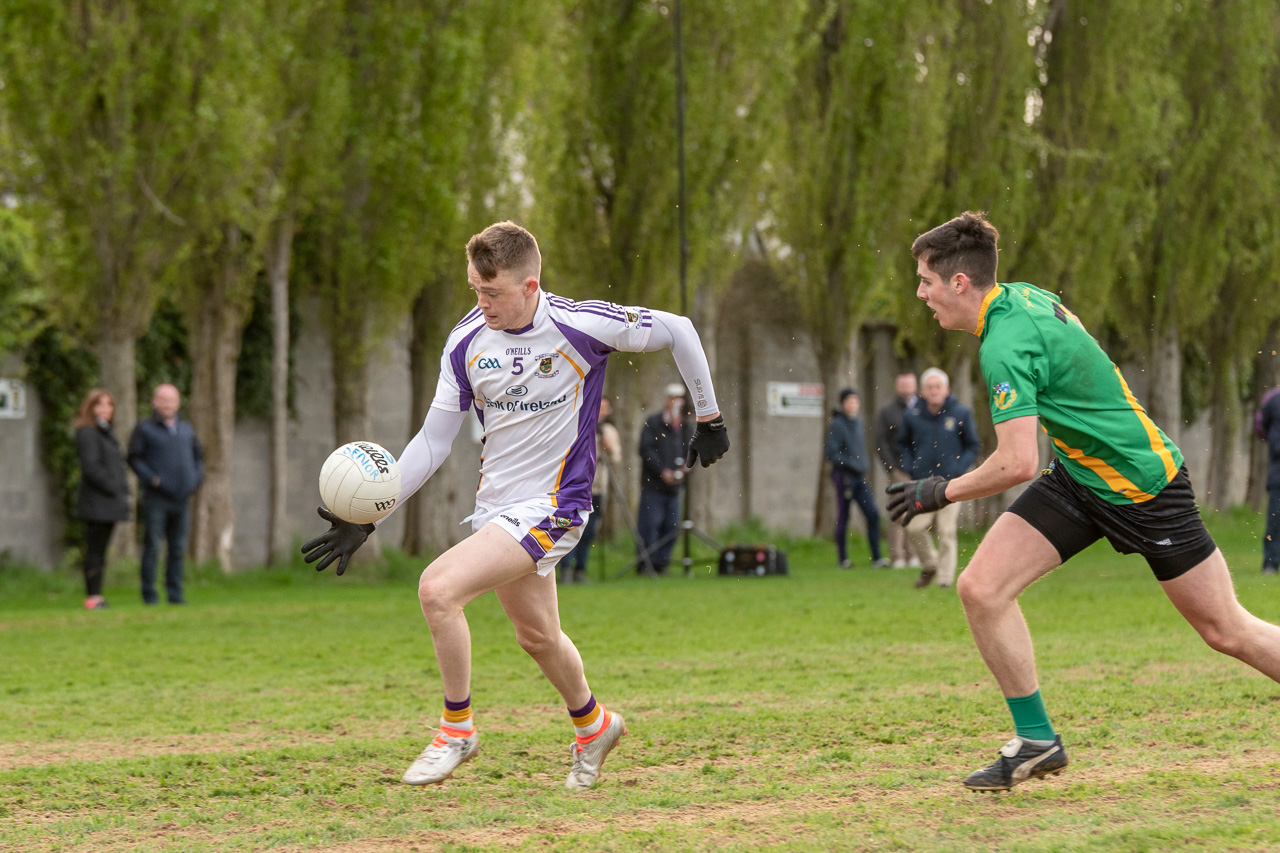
{"x": 831, "y": 710}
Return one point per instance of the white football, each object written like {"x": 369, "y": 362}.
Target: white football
{"x": 360, "y": 482}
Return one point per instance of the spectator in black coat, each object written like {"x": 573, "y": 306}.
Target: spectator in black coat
{"x": 662, "y": 470}
{"x": 888, "y": 424}
{"x": 103, "y": 498}
{"x": 1266, "y": 424}
{"x": 167, "y": 458}
{"x": 846, "y": 450}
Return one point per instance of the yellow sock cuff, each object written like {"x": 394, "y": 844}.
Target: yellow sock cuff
{"x": 588, "y": 718}
{"x": 456, "y": 716}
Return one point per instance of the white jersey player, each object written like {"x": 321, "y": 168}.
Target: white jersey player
{"x": 531, "y": 367}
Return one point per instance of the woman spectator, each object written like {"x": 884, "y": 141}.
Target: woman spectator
{"x": 104, "y": 488}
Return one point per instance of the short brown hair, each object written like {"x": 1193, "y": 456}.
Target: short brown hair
{"x": 965, "y": 244}
{"x": 86, "y": 416}
{"x": 504, "y": 246}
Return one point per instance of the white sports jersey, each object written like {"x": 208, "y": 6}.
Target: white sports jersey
{"x": 537, "y": 393}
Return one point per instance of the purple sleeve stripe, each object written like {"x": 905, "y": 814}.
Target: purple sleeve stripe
{"x": 458, "y": 361}
{"x": 467, "y": 319}
{"x": 618, "y": 317}
{"x": 590, "y": 306}
{"x": 601, "y": 305}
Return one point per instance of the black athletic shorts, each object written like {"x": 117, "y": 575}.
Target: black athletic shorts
{"x": 1167, "y": 529}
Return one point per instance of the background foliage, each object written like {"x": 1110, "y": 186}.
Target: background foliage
{"x": 159, "y": 162}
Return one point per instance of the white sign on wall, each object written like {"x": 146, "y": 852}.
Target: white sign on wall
{"x": 13, "y": 399}
{"x": 795, "y": 399}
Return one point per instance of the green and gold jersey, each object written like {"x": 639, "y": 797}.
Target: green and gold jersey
{"x": 1037, "y": 359}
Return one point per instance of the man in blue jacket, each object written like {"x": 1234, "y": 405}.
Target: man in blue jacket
{"x": 938, "y": 438}
{"x": 846, "y": 450}
{"x": 166, "y": 456}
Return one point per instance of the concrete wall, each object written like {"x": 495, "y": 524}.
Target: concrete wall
{"x": 31, "y": 521}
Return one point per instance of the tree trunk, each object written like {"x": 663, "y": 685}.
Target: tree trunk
{"x": 216, "y": 327}
{"x": 430, "y": 520}
{"x": 700, "y": 491}
{"x": 839, "y": 367}
{"x": 1266, "y": 375}
{"x": 1224, "y": 421}
{"x": 279, "y": 257}
{"x": 743, "y": 422}
{"x": 1165, "y": 397}
{"x": 351, "y": 387}
{"x": 118, "y": 366}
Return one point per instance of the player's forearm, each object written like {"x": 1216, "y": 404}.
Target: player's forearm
{"x": 671, "y": 331}
{"x": 1002, "y": 470}
{"x": 427, "y": 450}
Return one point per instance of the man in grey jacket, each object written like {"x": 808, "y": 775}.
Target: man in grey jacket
{"x": 846, "y": 450}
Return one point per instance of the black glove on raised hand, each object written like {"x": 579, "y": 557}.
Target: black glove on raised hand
{"x": 710, "y": 441}
{"x": 916, "y": 497}
{"x": 339, "y": 542}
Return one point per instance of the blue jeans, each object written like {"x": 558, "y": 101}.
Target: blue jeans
{"x": 168, "y": 519}
{"x": 1271, "y": 542}
{"x": 658, "y": 518}
{"x": 851, "y": 489}
{"x": 576, "y": 560}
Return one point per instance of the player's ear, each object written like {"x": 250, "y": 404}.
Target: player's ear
{"x": 960, "y": 282}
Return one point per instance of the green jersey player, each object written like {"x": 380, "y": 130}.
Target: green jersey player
{"x": 1115, "y": 474}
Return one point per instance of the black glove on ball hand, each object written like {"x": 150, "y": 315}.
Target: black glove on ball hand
{"x": 916, "y": 497}
{"x": 710, "y": 441}
{"x": 338, "y": 543}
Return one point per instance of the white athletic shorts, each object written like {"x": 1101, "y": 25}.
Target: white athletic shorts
{"x": 545, "y": 531}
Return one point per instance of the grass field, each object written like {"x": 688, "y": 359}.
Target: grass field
{"x": 830, "y": 710}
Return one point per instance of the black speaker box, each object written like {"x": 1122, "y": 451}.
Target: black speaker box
{"x": 752, "y": 560}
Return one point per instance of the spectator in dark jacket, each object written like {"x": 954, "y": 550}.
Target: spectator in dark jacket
{"x": 166, "y": 456}
{"x": 103, "y": 498}
{"x": 846, "y": 450}
{"x": 888, "y": 424}
{"x": 662, "y": 470}
{"x": 1266, "y": 423}
{"x": 938, "y": 437}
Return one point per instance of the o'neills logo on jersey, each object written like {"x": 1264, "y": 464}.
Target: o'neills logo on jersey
{"x": 546, "y": 366}
{"x": 1002, "y": 395}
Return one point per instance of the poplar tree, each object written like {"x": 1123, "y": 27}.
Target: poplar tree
{"x": 865, "y": 133}
{"x": 99, "y": 99}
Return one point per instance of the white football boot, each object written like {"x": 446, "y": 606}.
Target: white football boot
{"x": 450, "y": 750}
{"x": 589, "y": 753}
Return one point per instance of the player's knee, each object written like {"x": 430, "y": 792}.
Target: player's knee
{"x": 1221, "y": 637}
{"x": 976, "y": 589}
{"x": 535, "y": 641}
{"x": 431, "y": 595}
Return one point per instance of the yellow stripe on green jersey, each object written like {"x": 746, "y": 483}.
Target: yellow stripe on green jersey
{"x": 1037, "y": 359}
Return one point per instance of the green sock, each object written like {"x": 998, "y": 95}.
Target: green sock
{"x": 1030, "y": 718}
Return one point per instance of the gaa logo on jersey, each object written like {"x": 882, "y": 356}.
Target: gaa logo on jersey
{"x": 488, "y": 364}
{"x": 1002, "y": 395}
